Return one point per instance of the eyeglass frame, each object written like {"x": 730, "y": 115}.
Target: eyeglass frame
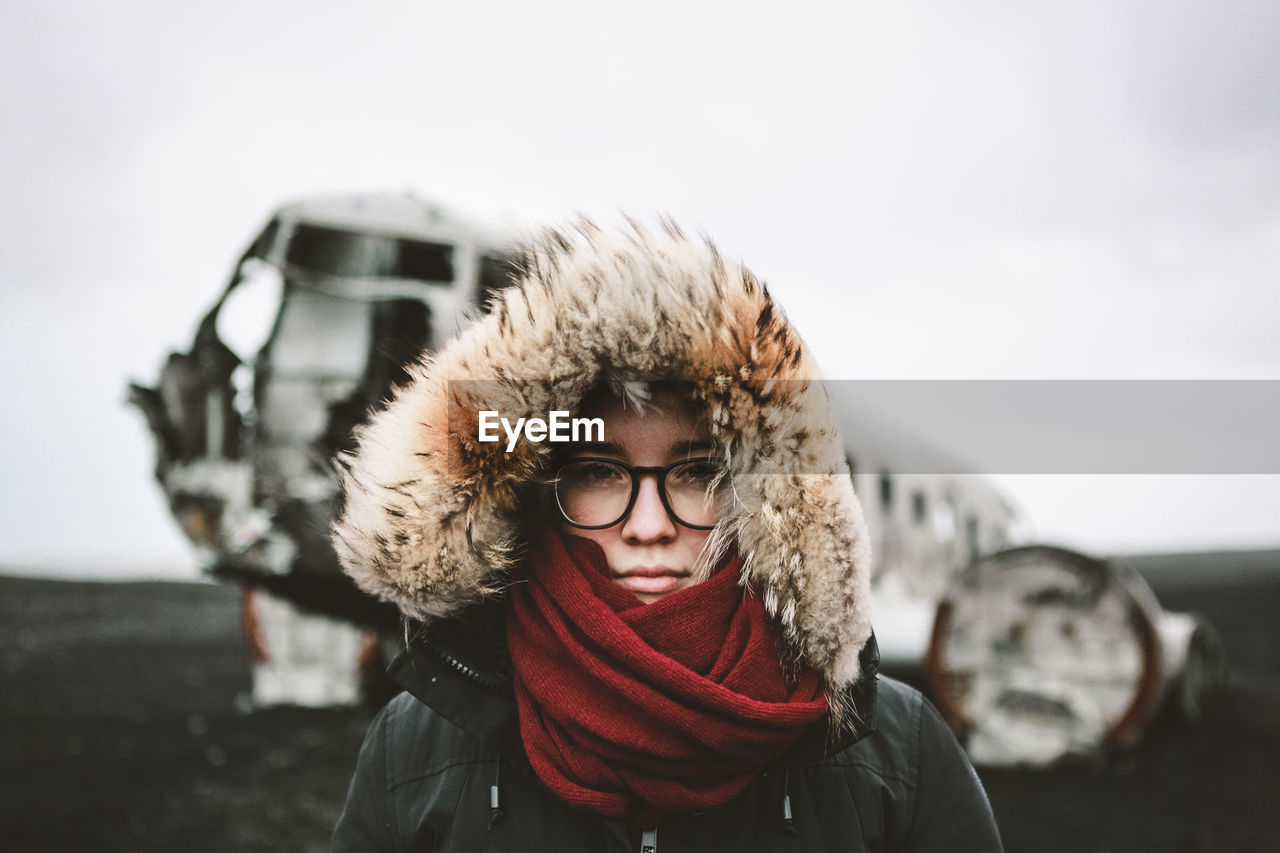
{"x": 635, "y": 472}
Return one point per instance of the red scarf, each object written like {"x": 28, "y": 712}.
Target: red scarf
{"x": 635, "y": 710}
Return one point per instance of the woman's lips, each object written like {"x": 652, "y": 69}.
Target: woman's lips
{"x": 652, "y": 580}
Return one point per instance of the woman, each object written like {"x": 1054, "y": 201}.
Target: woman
{"x": 658, "y": 634}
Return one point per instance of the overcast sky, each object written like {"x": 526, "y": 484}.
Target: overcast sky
{"x": 1003, "y": 190}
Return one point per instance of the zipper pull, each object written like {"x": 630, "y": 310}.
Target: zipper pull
{"x": 649, "y": 840}
{"x": 788, "y": 824}
{"x": 495, "y": 797}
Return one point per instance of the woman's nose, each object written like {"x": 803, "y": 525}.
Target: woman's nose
{"x": 649, "y": 520}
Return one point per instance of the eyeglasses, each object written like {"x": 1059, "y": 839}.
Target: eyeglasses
{"x": 594, "y": 493}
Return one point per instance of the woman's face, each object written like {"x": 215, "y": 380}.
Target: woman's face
{"x": 648, "y": 551}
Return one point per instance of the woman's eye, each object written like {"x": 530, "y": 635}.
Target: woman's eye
{"x": 592, "y": 473}
{"x": 700, "y": 472}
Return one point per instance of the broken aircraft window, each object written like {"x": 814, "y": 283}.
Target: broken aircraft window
{"x": 918, "y": 507}
{"x": 332, "y": 251}
{"x": 496, "y": 273}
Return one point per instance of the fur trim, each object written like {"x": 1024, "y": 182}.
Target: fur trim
{"x": 431, "y": 513}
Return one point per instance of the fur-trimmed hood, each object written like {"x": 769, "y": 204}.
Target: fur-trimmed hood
{"x": 431, "y": 518}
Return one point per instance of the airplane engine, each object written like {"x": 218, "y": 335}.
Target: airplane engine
{"x": 1039, "y": 653}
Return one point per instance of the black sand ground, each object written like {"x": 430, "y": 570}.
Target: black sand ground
{"x": 119, "y": 708}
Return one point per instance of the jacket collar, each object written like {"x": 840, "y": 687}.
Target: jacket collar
{"x": 460, "y": 669}
{"x": 819, "y": 740}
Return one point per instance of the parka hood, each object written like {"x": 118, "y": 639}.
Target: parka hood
{"x": 432, "y": 515}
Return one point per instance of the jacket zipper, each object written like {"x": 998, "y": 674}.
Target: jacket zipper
{"x": 649, "y": 840}
{"x": 475, "y": 675}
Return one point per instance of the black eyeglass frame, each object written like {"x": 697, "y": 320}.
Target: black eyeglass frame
{"x": 635, "y": 473}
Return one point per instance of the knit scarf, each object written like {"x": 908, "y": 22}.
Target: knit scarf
{"x": 639, "y": 711}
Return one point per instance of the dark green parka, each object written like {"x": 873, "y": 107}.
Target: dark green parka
{"x": 442, "y": 769}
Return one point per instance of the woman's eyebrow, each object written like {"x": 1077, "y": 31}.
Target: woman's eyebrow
{"x": 688, "y": 446}
{"x": 605, "y": 447}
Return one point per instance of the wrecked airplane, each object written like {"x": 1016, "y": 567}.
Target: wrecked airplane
{"x": 244, "y": 438}
{"x": 1032, "y": 654}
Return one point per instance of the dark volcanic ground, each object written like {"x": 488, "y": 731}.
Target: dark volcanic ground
{"x": 121, "y": 731}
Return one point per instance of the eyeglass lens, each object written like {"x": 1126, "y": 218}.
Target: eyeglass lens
{"x": 597, "y": 493}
